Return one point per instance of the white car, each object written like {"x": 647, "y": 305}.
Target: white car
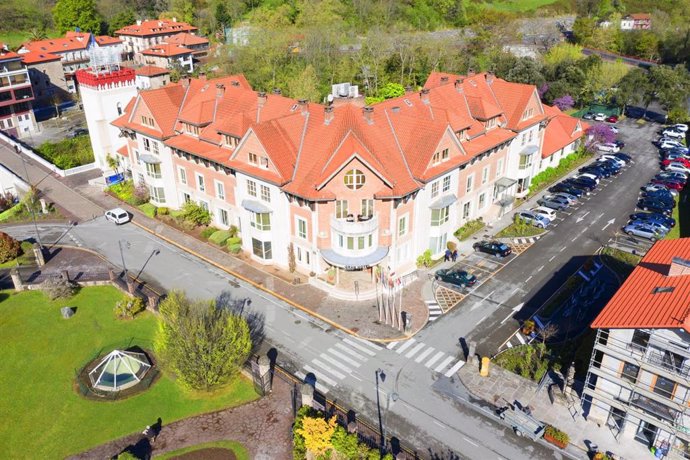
{"x": 680, "y": 127}
{"x": 673, "y": 134}
{"x": 669, "y": 144}
{"x": 591, "y": 176}
{"x": 118, "y": 216}
{"x": 612, "y": 158}
{"x": 544, "y": 211}
{"x": 678, "y": 167}
{"x": 599, "y": 116}
{"x": 614, "y": 128}
{"x": 608, "y": 147}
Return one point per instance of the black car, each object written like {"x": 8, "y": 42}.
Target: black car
{"x": 662, "y": 195}
{"x": 564, "y": 188}
{"x": 458, "y": 278}
{"x": 651, "y": 204}
{"x": 620, "y": 144}
{"x": 78, "y": 132}
{"x": 666, "y": 221}
{"x": 623, "y": 156}
{"x": 495, "y": 248}
{"x": 609, "y": 166}
{"x": 582, "y": 182}
{"x": 596, "y": 170}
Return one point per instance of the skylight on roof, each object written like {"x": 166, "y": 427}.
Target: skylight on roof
{"x": 407, "y": 102}
{"x": 662, "y": 289}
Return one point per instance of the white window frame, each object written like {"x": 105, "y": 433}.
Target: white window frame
{"x": 299, "y": 222}
{"x": 200, "y": 182}
{"x": 182, "y": 174}
{"x": 251, "y": 188}
{"x": 446, "y": 184}
{"x": 223, "y": 212}
{"x": 434, "y": 189}
{"x": 499, "y": 167}
{"x": 469, "y": 184}
{"x": 220, "y": 189}
{"x": 402, "y": 225}
{"x": 265, "y": 193}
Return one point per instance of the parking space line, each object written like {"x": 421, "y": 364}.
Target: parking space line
{"x": 552, "y": 257}
{"x": 527, "y": 280}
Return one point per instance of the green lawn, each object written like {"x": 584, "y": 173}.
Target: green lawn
{"x": 619, "y": 261}
{"x": 148, "y": 209}
{"x": 519, "y": 229}
{"x": 44, "y": 415}
{"x": 238, "y": 449}
{"x": 15, "y": 38}
{"x": 517, "y": 6}
{"x": 25, "y": 258}
{"x": 682, "y": 215}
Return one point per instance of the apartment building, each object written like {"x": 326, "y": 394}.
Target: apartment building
{"x": 16, "y": 95}
{"x": 145, "y": 34}
{"x": 167, "y": 56}
{"x": 346, "y": 186}
{"x": 638, "y": 383}
{"x": 73, "y": 51}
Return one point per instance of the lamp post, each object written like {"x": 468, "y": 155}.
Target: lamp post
{"x": 122, "y": 255}
{"x": 389, "y": 396}
{"x": 29, "y": 204}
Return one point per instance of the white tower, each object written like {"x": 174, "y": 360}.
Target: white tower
{"x": 105, "y": 89}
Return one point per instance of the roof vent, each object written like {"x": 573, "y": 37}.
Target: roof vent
{"x": 663, "y": 289}
{"x": 368, "y": 113}
{"x": 407, "y": 102}
{"x": 277, "y": 91}
{"x": 444, "y": 80}
{"x": 395, "y": 109}
{"x": 424, "y": 95}
{"x": 328, "y": 114}
{"x": 304, "y": 106}
{"x": 679, "y": 267}
{"x": 235, "y": 83}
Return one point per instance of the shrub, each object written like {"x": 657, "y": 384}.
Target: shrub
{"x": 129, "y": 307}
{"x": 7, "y": 200}
{"x": 235, "y": 248}
{"x": 208, "y": 231}
{"x": 68, "y": 153}
{"x": 233, "y": 231}
{"x": 551, "y": 174}
{"x": 233, "y": 240}
{"x": 556, "y": 434}
{"x": 58, "y": 287}
{"x": 470, "y": 228}
{"x": 425, "y": 259}
{"x": 124, "y": 191}
{"x": 195, "y": 214}
{"x": 163, "y": 211}
{"x": 149, "y": 209}
{"x": 219, "y": 237}
{"x": 10, "y": 248}
{"x": 140, "y": 194}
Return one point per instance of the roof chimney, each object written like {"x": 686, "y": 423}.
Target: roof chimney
{"x": 184, "y": 82}
{"x": 408, "y": 89}
{"x": 138, "y": 22}
{"x": 328, "y": 114}
{"x": 368, "y": 113}
{"x": 303, "y": 105}
{"x": 424, "y": 95}
{"x": 174, "y": 19}
{"x": 489, "y": 77}
{"x": 277, "y": 91}
{"x": 220, "y": 90}
{"x": 458, "y": 85}
{"x": 444, "y": 80}
{"x": 235, "y": 83}
{"x": 679, "y": 267}
{"x": 262, "y": 98}
{"x": 395, "y": 109}
{"x": 470, "y": 72}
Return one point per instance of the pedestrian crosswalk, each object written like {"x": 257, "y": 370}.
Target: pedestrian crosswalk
{"x": 428, "y": 356}
{"x": 516, "y": 340}
{"x": 434, "y": 309}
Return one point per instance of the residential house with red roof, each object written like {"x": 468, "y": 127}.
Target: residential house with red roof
{"x": 145, "y": 34}
{"x": 167, "y": 56}
{"x": 636, "y": 21}
{"x": 343, "y": 187}
{"x": 638, "y": 382}
{"x": 16, "y": 115}
{"x": 152, "y": 77}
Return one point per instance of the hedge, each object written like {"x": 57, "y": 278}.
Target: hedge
{"x": 551, "y": 175}
{"x": 470, "y": 228}
{"x": 219, "y": 237}
{"x": 68, "y": 153}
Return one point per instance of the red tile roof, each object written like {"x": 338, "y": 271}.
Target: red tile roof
{"x": 186, "y": 39}
{"x": 35, "y": 57}
{"x": 638, "y": 305}
{"x": 155, "y": 27}
{"x": 166, "y": 50}
{"x": 34, "y": 52}
{"x": 106, "y": 40}
{"x": 561, "y": 131}
{"x": 151, "y": 71}
{"x": 123, "y": 151}
{"x": 640, "y": 16}
{"x": 6, "y": 54}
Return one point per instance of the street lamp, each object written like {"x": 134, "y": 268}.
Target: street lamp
{"x": 389, "y": 396}
{"x": 122, "y": 255}
{"x": 29, "y": 204}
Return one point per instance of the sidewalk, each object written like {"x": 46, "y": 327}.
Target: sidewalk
{"x": 502, "y": 386}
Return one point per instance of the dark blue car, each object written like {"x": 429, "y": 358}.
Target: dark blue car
{"x": 666, "y": 221}
{"x": 564, "y": 188}
{"x": 652, "y": 204}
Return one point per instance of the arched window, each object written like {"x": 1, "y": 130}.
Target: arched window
{"x": 354, "y": 179}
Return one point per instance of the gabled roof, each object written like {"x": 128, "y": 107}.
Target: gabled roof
{"x": 186, "y": 39}
{"x": 106, "y": 40}
{"x": 151, "y": 71}
{"x": 639, "y": 16}
{"x": 561, "y": 130}
{"x": 72, "y": 41}
{"x": 163, "y": 103}
{"x": 6, "y": 54}
{"x": 640, "y": 304}
{"x": 166, "y": 50}
{"x": 155, "y": 27}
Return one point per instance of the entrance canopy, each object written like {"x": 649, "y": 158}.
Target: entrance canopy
{"x": 354, "y": 263}
{"x": 119, "y": 370}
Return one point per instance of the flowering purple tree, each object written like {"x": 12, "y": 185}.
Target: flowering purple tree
{"x": 600, "y": 134}
{"x": 565, "y": 102}
{"x": 542, "y": 90}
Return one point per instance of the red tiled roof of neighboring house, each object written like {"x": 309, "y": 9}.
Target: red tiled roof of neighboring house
{"x": 155, "y": 27}
{"x": 166, "y": 50}
{"x": 106, "y": 40}
{"x": 151, "y": 71}
{"x": 123, "y": 151}
{"x": 186, "y": 39}
{"x": 652, "y": 297}
{"x": 561, "y": 131}
{"x": 640, "y": 16}
{"x": 36, "y": 57}
{"x": 6, "y": 54}
{"x": 200, "y": 148}
{"x": 72, "y": 41}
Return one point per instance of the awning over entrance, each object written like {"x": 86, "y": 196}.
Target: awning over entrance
{"x": 529, "y": 150}
{"x": 354, "y": 263}
{"x": 443, "y": 202}
{"x": 504, "y": 183}
{"x": 255, "y": 206}
{"x": 150, "y": 159}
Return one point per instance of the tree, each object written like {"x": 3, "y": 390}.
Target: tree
{"x": 563, "y": 52}
{"x": 583, "y": 30}
{"x": 632, "y": 88}
{"x": 526, "y": 70}
{"x": 601, "y": 133}
{"x": 317, "y": 433}
{"x": 202, "y": 344}
{"x": 70, "y": 14}
{"x": 565, "y": 102}
{"x": 305, "y": 85}
{"x": 9, "y": 248}
{"x": 221, "y": 14}
{"x": 121, "y": 19}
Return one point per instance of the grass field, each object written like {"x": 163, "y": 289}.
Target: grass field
{"x": 25, "y": 258}
{"x": 15, "y": 38}
{"x": 42, "y": 351}
{"x": 237, "y": 448}
{"x": 682, "y": 215}
{"x": 517, "y": 6}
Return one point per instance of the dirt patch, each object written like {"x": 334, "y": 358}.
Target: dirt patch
{"x": 209, "y": 453}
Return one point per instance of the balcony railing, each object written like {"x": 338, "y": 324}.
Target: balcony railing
{"x": 355, "y": 225}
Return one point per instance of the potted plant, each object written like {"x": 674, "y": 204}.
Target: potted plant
{"x": 528, "y": 327}
{"x": 330, "y": 274}
{"x": 556, "y": 437}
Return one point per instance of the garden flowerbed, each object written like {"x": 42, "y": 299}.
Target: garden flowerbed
{"x": 469, "y": 229}
{"x": 68, "y": 153}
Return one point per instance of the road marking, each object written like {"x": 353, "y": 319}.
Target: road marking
{"x": 440, "y": 424}
{"x": 414, "y": 351}
{"x": 350, "y": 351}
{"x": 482, "y": 319}
{"x": 483, "y": 300}
{"x": 334, "y": 362}
{"x": 507, "y": 317}
{"x": 473, "y": 443}
{"x": 443, "y": 364}
{"x": 405, "y": 346}
{"x": 434, "y": 359}
{"x": 514, "y": 291}
{"x": 552, "y": 257}
{"x": 509, "y": 345}
{"x": 455, "y": 368}
{"x": 540, "y": 268}
{"x": 368, "y": 343}
{"x": 520, "y": 339}
{"x": 359, "y": 347}
{"x": 424, "y": 354}
{"x": 530, "y": 277}
{"x": 562, "y": 249}
{"x": 573, "y": 239}
{"x": 350, "y": 361}
{"x": 392, "y": 345}
{"x": 325, "y": 378}
{"x": 328, "y": 369}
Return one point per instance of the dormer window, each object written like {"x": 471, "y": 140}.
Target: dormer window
{"x": 440, "y": 156}
{"x": 147, "y": 121}
{"x": 462, "y": 134}
{"x": 191, "y": 129}
{"x": 230, "y": 141}
{"x": 491, "y": 122}
{"x": 253, "y": 159}
{"x": 529, "y": 113}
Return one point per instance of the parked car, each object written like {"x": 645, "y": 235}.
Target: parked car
{"x": 599, "y": 116}
{"x": 676, "y": 166}
{"x": 456, "y": 277}
{"x": 582, "y": 184}
{"x": 670, "y": 144}
{"x": 656, "y": 226}
{"x": 612, "y": 158}
{"x": 535, "y": 219}
{"x": 77, "y": 132}
{"x": 572, "y": 199}
{"x": 652, "y": 187}
{"x": 609, "y": 166}
{"x": 588, "y": 116}
{"x": 678, "y": 175}
{"x": 643, "y": 231}
{"x": 619, "y": 143}
{"x": 663, "y": 195}
{"x": 546, "y": 211}
{"x": 672, "y": 156}
{"x": 614, "y": 128}
{"x": 608, "y": 147}
{"x": 587, "y": 178}
{"x": 118, "y": 216}
{"x": 562, "y": 187}
{"x": 680, "y": 127}
{"x": 668, "y": 222}
{"x": 495, "y": 248}
{"x": 672, "y": 133}
{"x": 612, "y": 119}
{"x": 654, "y": 205}
{"x": 679, "y": 160}
{"x": 670, "y": 183}
{"x": 623, "y": 156}
{"x": 596, "y": 170}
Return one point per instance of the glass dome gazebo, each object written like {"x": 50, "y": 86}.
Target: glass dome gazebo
{"x": 119, "y": 370}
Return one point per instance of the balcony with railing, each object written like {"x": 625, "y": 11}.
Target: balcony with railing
{"x": 355, "y": 224}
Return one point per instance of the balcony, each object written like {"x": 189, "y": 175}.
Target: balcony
{"x": 355, "y": 225}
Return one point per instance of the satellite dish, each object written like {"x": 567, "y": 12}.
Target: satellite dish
{"x": 330, "y": 98}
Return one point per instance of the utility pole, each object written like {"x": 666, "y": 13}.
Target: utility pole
{"x": 31, "y": 188}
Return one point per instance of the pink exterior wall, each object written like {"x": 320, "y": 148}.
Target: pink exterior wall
{"x": 210, "y": 176}
{"x": 305, "y": 213}
{"x": 143, "y": 110}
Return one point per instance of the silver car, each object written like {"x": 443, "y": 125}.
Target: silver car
{"x": 553, "y": 202}
{"x": 643, "y": 231}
